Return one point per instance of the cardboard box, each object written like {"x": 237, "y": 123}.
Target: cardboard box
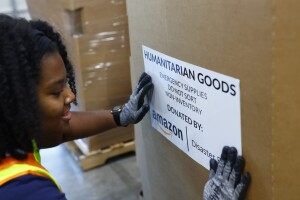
{"x": 77, "y": 16}
{"x": 92, "y": 49}
{"x": 96, "y": 36}
{"x": 257, "y": 42}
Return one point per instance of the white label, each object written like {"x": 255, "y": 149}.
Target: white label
{"x": 196, "y": 109}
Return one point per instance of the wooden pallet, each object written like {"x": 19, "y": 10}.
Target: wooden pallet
{"x": 88, "y": 160}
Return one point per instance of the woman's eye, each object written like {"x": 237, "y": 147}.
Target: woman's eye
{"x": 57, "y": 94}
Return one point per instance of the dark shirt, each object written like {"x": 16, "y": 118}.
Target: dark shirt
{"x": 30, "y": 187}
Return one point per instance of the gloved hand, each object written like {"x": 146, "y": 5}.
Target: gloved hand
{"x": 225, "y": 179}
{"x": 134, "y": 111}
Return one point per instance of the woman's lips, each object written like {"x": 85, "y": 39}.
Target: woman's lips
{"x": 67, "y": 116}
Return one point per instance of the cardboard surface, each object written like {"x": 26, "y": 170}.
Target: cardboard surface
{"x": 286, "y": 147}
{"x": 257, "y": 42}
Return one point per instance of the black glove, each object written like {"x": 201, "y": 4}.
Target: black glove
{"x": 225, "y": 179}
{"x": 134, "y": 111}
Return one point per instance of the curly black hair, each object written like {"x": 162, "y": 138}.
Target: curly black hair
{"x": 19, "y": 77}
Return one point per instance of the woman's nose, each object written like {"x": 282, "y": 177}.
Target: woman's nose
{"x": 70, "y": 97}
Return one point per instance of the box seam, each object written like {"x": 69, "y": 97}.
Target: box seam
{"x": 273, "y": 82}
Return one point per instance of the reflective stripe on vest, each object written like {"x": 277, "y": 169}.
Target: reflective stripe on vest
{"x": 11, "y": 168}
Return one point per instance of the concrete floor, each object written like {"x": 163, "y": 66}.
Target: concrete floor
{"x": 119, "y": 179}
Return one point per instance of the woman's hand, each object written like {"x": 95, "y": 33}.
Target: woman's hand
{"x": 226, "y": 181}
{"x": 135, "y": 109}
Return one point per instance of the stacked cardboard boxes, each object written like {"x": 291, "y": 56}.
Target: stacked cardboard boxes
{"x": 255, "y": 41}
{"x": 96, "y": 35}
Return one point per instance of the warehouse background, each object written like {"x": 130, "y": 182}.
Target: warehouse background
{"x": 16, "y": 8}
{"x": 118, "y": 178}
{"x": 256, "y": 42}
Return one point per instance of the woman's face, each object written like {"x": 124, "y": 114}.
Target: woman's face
{"x": 55, "y": 99}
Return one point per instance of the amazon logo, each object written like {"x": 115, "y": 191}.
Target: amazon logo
{"x": 167, "y": 127}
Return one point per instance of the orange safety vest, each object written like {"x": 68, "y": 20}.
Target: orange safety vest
{"x": 11, "y": 168}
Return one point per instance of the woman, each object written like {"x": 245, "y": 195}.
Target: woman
{"x": 37, "y": 88}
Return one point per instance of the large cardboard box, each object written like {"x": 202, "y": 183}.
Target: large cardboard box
{"x": 257, "y": 42}
{"x": 96, "y": 35}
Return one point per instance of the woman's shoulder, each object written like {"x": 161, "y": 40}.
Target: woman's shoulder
{"x": 31, "y": 187}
